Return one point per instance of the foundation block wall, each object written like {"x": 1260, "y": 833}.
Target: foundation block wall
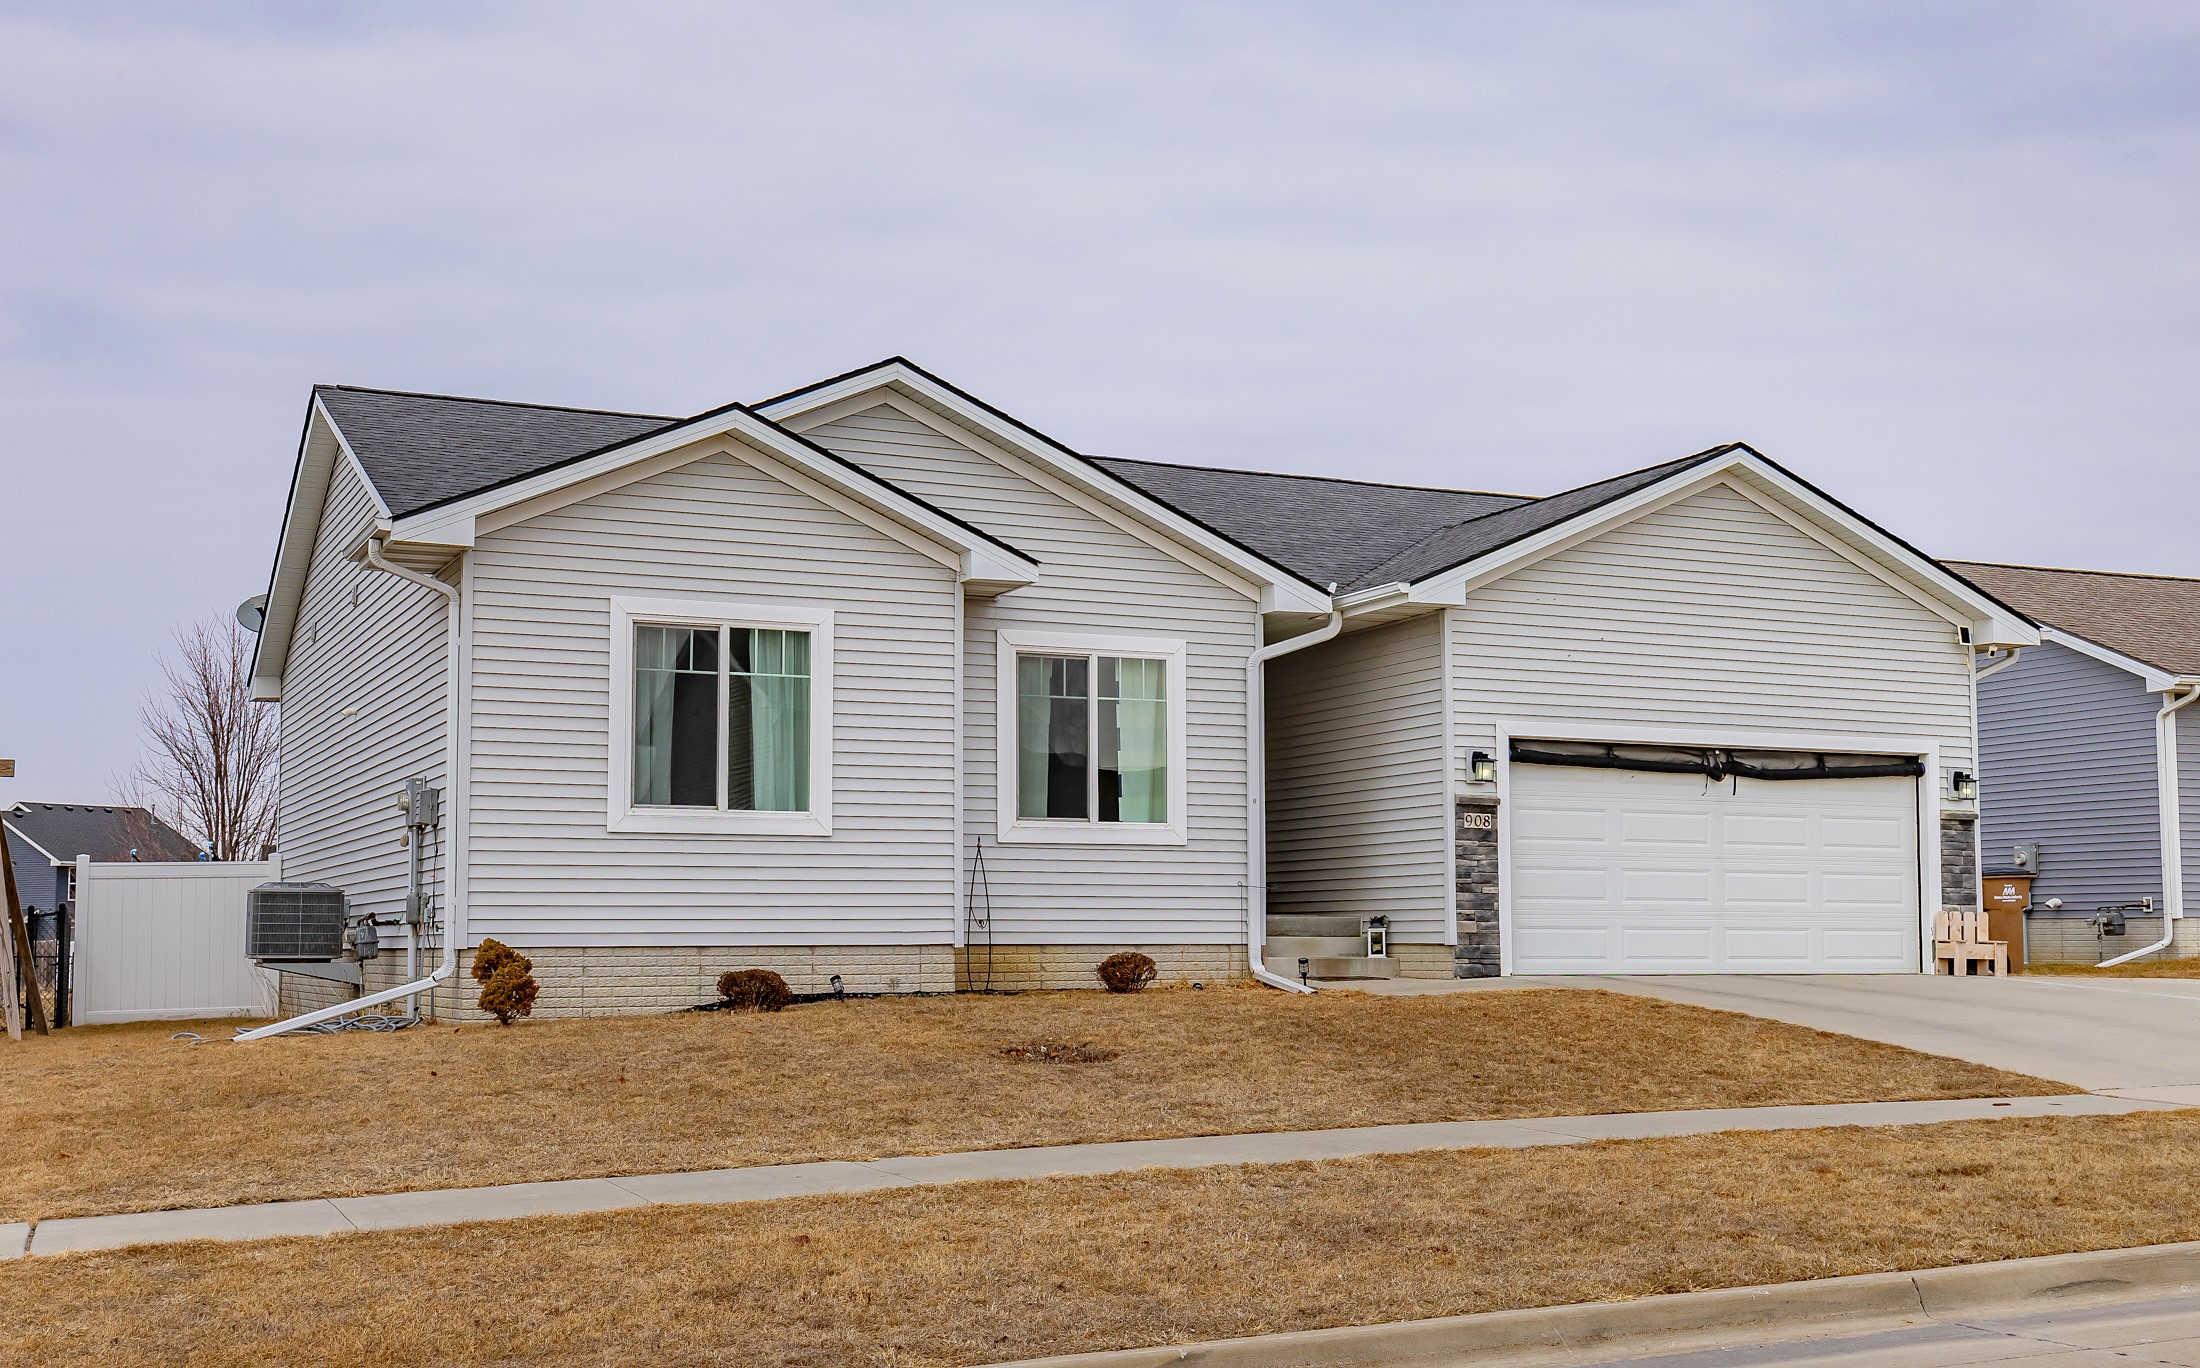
{"x": 1028, "y": 968}
{"x": 1959, "y": 866}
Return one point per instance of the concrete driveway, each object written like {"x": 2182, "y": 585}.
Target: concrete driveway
{"x": 2130, "y": 1037}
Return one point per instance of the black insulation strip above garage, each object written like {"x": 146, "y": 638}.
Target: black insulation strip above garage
{"x": 1716, "y": 764}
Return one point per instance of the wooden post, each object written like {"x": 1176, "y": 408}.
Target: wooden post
{"x": 19, "y": 935}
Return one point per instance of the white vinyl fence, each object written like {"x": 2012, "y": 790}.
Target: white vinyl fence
{"x": 165, "y": 941}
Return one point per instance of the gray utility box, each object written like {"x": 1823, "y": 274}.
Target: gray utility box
{"x": 295, "y": 921}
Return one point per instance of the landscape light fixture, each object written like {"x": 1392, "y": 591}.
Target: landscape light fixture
{"x": 839, "y": 989}
{"x": 1482, "y": 767}
{"x": 1302, "y": 971}
{"x": 1963, "y": 786}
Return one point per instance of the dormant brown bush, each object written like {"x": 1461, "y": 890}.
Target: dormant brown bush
{"x": 1126, "y": 971}
{"x": 754, "y": 990}
{"x": 508, "y": 987}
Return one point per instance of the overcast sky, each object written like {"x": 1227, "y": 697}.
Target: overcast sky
{"x": 1940, "y": 258}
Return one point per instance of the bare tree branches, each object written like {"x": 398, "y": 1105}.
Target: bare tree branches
{"x": 211, "y": 749}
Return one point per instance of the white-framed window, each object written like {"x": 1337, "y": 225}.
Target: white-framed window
{"x": 1091, "y": 739}
{"x": 721, "y": 717}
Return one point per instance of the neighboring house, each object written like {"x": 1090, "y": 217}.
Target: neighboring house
{"x": 2076, "y": 737}
{"x": 44, "y": 840}
{"x": 873, "y": 681}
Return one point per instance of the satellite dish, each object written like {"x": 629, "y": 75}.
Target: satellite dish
{"x": 252, "y": 612}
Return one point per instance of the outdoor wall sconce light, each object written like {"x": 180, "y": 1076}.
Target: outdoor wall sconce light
{"x": 1963, "y": 786}
{"x": 1482, "y": 767}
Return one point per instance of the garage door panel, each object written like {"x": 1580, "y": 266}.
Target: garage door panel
{"x": 1560, "y": 825}
{"x": 1653, "y": 828}
{"x": 1766, "y": 888}
{"x": 1680, "y": 876}
{"x": 1764, "y": 832}
{"x": 1656, "y": 887}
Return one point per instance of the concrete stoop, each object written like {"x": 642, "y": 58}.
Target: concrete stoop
{"x": 1332, "y": 945}
{"x": 1691, "y": 1321}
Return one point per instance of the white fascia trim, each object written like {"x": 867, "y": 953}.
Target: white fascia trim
{"x": 457, "y": 524}
{"x": 18, "y": 834}
{"x": 1991, "y": 625}
{"x": 1926, "y": 752}
{"x": 1014, "y": 830}
{"x": 1281, "y": 591}
{"x": 2155, "y": 679}
{"x": 621, "y": 816}
{"x": 319, "y": 450}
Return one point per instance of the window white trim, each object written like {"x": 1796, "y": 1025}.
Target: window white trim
{"x": 1015, "y": 830}
{"x": 621, "y": 814}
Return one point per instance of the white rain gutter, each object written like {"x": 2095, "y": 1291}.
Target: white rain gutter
{"x": 454, "y": 928}
{"x": 1256, "y": 796}
{"x": 2173, "y": 862}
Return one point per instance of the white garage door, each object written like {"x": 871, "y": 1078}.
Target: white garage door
{"x": 1627, "y": 872}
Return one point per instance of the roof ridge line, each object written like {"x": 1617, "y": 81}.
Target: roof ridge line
{"x": 499, "y": 403}
{"x": 1327, "y": 479}
{"x": 2075, "y": 570}
{"x": 1706, "y": 454}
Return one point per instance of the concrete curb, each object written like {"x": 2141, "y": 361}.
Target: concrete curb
{"x": 768, "y": 1182}
{"x": 1675, "y": 1322}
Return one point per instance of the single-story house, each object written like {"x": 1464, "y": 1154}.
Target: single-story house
{"x": 872, "y": 681}
{"x": 44, "y": 840}
{"x": 2090, "y": 756}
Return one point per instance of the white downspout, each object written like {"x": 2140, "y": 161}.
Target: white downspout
{"x": 2173, "y": 862}
{"x": 454, "y": 926}
{"x": 1256, "y": 796}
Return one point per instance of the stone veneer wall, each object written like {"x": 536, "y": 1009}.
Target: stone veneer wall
{"x": 1474, "y": 867}
{"x": 1959, "y": 867}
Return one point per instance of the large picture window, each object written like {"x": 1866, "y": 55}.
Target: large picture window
{"x": 725, "y": 719}
{"x": 1093, "y": 739}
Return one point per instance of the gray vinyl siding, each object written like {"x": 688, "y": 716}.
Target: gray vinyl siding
{"x": 1356, "y": 808}
{"x": 544, "y": 868}
{"x": 337, "y": 820}
{"x": 1707, "y": 615}
{"x": 2067, "y": 759}
{"x": 1095, "y": 578}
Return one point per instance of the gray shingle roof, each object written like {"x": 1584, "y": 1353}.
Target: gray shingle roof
{"x": 67, "y": 830}
{"x": 2151, "y": 618}
{"x": 1328, "y": 530}
{"x": 424, "y": 449}
{"x": 421, "y": 450}
{"x": 1462, "y": 542}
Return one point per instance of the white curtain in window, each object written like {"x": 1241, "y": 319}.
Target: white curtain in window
{"x": 769, "y": 756}
{"x": 1136, "y": 693}
{"x": 1033, "y": 711}
{"x": 652, "y": 716}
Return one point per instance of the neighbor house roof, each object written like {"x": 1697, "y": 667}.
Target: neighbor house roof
{"x": 67, "y": 830}
{"x": 2153, "y": 619}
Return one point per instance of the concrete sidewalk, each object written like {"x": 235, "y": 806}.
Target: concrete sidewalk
{"x": 450, "y": 1206}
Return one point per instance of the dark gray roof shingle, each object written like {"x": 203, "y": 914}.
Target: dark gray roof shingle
{"x": 1462, "y": 542}
{"x": 425, "y": 449}
{"x": 67, "y": 830}
{"x": 1327, "y": 530}
{"x": 2151, "y": 618}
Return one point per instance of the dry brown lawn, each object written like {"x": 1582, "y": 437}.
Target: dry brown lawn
{"x": 2160, "y": 968}
{"x": 124, "y": 1119}
{"x": 990, "y": 1271}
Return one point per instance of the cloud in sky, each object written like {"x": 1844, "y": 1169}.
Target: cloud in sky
{"x": 1938, "y": 257}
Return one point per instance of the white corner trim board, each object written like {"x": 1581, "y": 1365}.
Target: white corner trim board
{"x": 622, "y": 815}
{"x": 1014, "y": 830}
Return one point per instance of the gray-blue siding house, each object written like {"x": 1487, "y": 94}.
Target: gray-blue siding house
{"x": 44, "y": 839}
{"x": 2086, "y": 747}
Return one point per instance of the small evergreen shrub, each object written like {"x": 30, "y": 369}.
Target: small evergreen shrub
{"x": 508, "y": 987}
{"x": 754, "y": 990}
{"x": 1126, "y": 971}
